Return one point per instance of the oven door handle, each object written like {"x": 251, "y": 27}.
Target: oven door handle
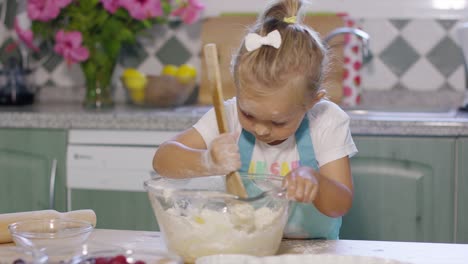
{"x": 53, "y": 173}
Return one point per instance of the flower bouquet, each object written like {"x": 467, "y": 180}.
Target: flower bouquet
{"x": 92, "y": 32}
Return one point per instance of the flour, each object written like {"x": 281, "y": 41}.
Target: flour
{"x": 227, "y": 150}
{"x": 236, "y": 228}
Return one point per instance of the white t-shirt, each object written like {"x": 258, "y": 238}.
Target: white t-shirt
{"x": 330, "y": 134}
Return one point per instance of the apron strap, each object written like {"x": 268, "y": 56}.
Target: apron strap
{"x": 300, "y": 223}
{"x": 304, "y": 145}
{"x": 246, "y": 144}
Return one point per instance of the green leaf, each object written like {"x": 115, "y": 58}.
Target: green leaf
{"x": 166, "y": 7}
{"x": 87, "y": 5}
{"x": 126, "y": 35}
{"x": 88, "y": 67}
{"x": 122, "y": 14}
{"x": 112, "y": 48}
{"x": 101, "y": 18}
{"x": 147, "y": 23}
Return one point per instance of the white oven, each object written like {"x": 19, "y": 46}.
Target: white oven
{"x": 105, "y": 172}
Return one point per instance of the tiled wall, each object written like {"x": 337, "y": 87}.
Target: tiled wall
{"x": 418, "y": 56}
{"x": 413, "y": 54}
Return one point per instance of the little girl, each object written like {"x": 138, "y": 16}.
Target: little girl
{"x": 281, "y": 124}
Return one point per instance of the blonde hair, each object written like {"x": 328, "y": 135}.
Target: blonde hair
{"x": 301, "y": 57}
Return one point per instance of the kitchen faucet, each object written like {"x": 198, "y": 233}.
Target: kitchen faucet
{"x": 364, "y": 36}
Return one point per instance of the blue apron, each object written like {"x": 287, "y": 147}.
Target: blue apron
{"x": 305, "y": 221}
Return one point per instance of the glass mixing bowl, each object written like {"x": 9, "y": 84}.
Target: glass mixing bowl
{"x": 49, "y": 235}
{"x": 20, "y": 255}
{"x": 198, "y": 218}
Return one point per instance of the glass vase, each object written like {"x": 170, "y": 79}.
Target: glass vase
{"x": 98, "y": 81}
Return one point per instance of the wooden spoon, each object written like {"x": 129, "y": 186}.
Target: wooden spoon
{"x": 233, "y": 180}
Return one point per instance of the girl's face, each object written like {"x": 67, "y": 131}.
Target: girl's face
{"x": 272, "y": 117}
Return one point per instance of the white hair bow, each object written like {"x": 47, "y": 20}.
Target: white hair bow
{"x": 254, "y": 41}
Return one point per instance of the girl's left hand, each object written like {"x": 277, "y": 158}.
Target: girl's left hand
{"x": 302, "y": 184}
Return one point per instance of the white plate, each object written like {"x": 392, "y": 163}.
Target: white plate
{"x": 294, "y": 259}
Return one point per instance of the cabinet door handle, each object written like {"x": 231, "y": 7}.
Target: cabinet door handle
{"x": 53, "y": 172}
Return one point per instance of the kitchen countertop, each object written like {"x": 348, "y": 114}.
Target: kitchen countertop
{"x": 127, "y": 117}
{"x": 410, "y": 252}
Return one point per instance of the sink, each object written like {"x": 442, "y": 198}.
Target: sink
{"x": 414, "y": 113}
{"x": 369, "y": 113}
{"x": 193, "y": 109}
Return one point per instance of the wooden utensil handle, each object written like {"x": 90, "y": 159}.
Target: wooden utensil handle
{"x": 233, "y": 180}
{"x": 214, "y": 75}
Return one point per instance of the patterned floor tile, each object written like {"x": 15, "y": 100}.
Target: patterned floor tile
{"x": 446, "y": 56}
{"x": 132, "y": 56}
{"x": 157, "y": 36}
{"x": 447, "y": 24}
{"x": 41, "y": 76}
{"x": 399, "y": 23}
{"x": 151, "y": 66}
{"x": 68, "y": 75}
{"x": 423, "y": 34}
{"x": 52, "y": 61}
{"x": 458, "y": 79}
{"x": 4, "y": 33}
{"x": 422, "y": 76}
{"x": 399, "y": 56}
{"x": 173, "y": 52}
{"x": 381, "y": 33}
{"x": 10, "y": 13}
{"x": 377, "y": 76}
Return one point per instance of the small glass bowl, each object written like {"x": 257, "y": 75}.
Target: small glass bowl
{"x": 122, "y": 256}
{"x": 48, "y": 235}
{"x": 11, "y": 255}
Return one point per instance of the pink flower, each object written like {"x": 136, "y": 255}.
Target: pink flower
{"x": 62, "y": 3}
{"x": 26, "y": 35}
{"x": 68, "y": 44}
{"x": 143, "y": 9}
{"x": 189, "y": 11}
{"x": 45, "y": 10}
{"x": 111, "y": 5}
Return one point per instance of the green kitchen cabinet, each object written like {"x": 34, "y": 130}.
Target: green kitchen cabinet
{"x": 462, "y": 191}
{"x": 32, "y": 170}
{"x": 403, "y": 189}
{"x": 117, "y": 209}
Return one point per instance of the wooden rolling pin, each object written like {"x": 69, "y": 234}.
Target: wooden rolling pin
{"x": 86, "y": 215}
{"x": 233, "y": 181}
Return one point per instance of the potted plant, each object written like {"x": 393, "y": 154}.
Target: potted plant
{"x": 92, "y": 32}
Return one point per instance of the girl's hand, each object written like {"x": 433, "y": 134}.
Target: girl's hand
{"x": 222, "y": 156}
{"x": 302, "y": 184}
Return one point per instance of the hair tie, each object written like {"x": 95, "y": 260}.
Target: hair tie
{"x": 290, "y": 20}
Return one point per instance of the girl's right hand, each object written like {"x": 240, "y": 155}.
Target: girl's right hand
{"x": 223, "y": 155}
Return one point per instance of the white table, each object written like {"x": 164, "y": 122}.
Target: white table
{"x": 417, "y": 253}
